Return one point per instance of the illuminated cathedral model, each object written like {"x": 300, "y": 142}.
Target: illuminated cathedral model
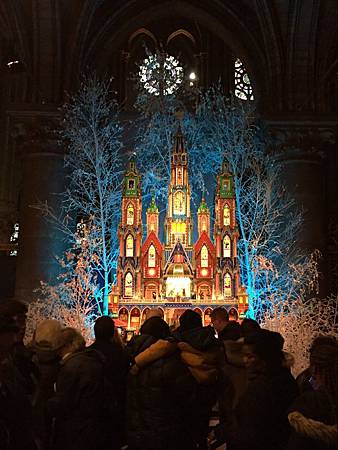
{"x": 177, "y": 274}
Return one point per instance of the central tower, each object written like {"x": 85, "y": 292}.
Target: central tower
{"x": 178, "y": 223}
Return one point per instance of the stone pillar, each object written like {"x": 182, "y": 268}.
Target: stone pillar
{"x": 39, "y": 240}
{"x": 303, "y": 152}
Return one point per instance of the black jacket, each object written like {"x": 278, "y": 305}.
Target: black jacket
{"x": 158, "y": 401}
{"x": 259, "y": 421}
{"x": 77, "y": 403}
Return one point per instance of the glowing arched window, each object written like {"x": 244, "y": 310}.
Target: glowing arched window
{"x": 204, "y": 256}
{"x": 151, "y": 256}
{"x": 130, "y": 214}
{"x": 130, "y": 245}
{"x": 243, "y": 87}
{"x": 128, "y": 285}
{"x": 179, "y": 203}
{"x": 204, "y": 224}
{"x": 227, "y": 291}
{"x": 226, "y": 215}
{"x": 226, "y": 247}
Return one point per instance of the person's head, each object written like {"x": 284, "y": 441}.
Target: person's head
{"x": 324, "y": 364}
{"x": 189, "y": 320}
{"x": 156, "y": 327}
{"x": 249, "y": 326}
{"x": 155, "y": 312}
{"x": 263, "y": 351}
{"x": 70, "y": 340}
{"x": 104, "y": 328}
{"x": 219, "y": 318}
{"x": 18, "y": 312}
{"x": 8, "y": 331}
{"x": 47, "y": 333}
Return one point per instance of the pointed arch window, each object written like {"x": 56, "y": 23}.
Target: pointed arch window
{"x": 128, "y": 285}
{"x": 226, "y": 247}
{"x": 130, "y": 214}
{"x": 151, "y": 256}
{"x": 204, "y": 256}
{"x": 204, "y": 223}
{"x": 226, "y": 215}
{"x": 130, "y": 246}
{"x": 243, "y": 87}
{"x": 227, "y": 285}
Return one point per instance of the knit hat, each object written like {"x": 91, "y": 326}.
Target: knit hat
{"x": 324, "y": 352}
{"x": 268, "y": 345}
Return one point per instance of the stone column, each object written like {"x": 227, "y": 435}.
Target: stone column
{"x": 303, "y": 152}
{"x": 39, "y": 240}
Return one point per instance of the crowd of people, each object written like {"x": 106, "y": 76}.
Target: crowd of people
{"x": 160, "y": 390}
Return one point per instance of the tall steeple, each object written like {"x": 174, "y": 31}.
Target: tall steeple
{"x": 178, "y": 223}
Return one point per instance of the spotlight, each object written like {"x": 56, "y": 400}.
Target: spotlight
{"x": 192, "y": 76}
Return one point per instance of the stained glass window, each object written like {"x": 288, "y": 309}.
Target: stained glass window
{"x": 227, "y": 285}
{"x": 226, "y": 247}
{"x": 151, "y": 256}
{"x": 128, "y": 285}
{"x": 204, "y": 256}
{"x": 129, "y": 246}
{"x": 226, "y": 215}
{"x": 130, "y": 215}
{"x": 161, "y": 73}
{"x": 243, "y": 87}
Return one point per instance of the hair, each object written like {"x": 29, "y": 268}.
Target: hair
{"x": 220, "y": 313}
{"x": 156, "y": 327}
{"x": 190, "y": 319}
{"x": 47, "y": 332}
{"x": 324, "y": 362}
{"x": 268, "y": 346}
{"x": 12, "y": 308}
{"x": 154, "y": 312}
{"x": 249, "y": 326}
{"x": 104, "y": 328}
{"x": 71, "y": 337}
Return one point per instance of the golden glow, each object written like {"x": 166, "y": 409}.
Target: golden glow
{"x": 178, "y": 286}
{"x": 151, "y": 256}
{"x": 204, "y": 272}
{"x": 226, "y": 215}
{"x": 151, "y": 272}
{"x": 178, "y": 227}
{"x": 130, "y": 214}
{"x": 226, "y": 247}
{"x": 129, "y": 246}
{"x": 128, "y": 285}
{"x": 179, "y": 203}
{"x": 227, "y": 291}
{"x": 204, "y": 256}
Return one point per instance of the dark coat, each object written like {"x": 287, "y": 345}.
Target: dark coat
{"x": 157, "y": 400}
{"x": 203, "y": 355}
{"x": 318, "y": 406}
{"x": 259, "y": 421}
{"x": 77, "y": 403}
{"x": 116, "y": 366}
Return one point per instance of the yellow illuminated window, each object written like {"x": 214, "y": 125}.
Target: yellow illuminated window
{"x": 129, "y": 246}
{"x": 226, "y": 247}
{"x": 204, "y": 256}
{"x": 179, "y": 200}
{"x": 130, "y": 215}
{"x": 227, "y": 291}
{"x": 128, "y": 285}
{"x": 226, "y": 214}
{"x": 151, "y": 256}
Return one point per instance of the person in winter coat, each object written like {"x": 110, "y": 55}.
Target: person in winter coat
{"x": 159, "y": 387}
{"x": 16, "y": 430}
{"x": 46, "y": 358}
{"x": 203, "y": 355}
{"x": 116, "y": 365}
{"x": 259, "y": 421}
{"x": 77, "y": 402}
{"x": 313, "y": 416}
{"x": 226, "y": 329}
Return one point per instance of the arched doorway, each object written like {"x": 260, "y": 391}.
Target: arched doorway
{"x": 198, "y": 311}
{"x": 144, "y": 315}
{"x": 135, "y": 319}
{"x": 233, "y": 314}
{"x": 123, "y": 317}
{"x": 207, "y": 318}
